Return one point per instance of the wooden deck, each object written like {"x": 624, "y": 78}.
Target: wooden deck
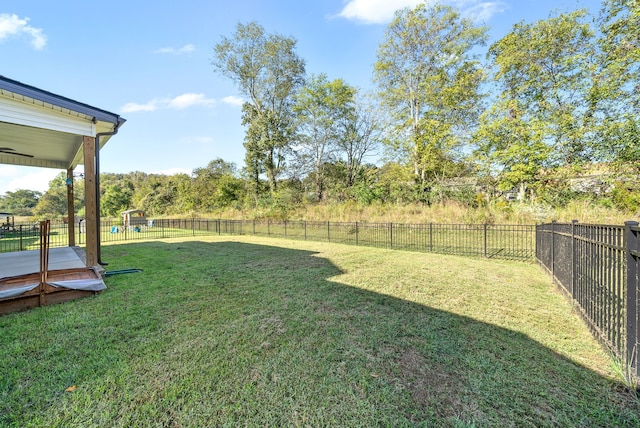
{"x": 67, "y": 278}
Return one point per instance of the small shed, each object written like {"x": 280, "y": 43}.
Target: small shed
{"x": 134, "y": 218}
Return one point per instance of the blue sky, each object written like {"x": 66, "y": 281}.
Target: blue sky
{"x": 150, "y": 62}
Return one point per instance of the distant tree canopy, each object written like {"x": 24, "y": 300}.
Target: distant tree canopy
{"x": 53, "y": 203}
{"x": 619, "y": 77}
{"x": 20, "y": 203}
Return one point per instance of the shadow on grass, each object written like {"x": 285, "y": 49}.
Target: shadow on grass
{"x": 230, "y": 333}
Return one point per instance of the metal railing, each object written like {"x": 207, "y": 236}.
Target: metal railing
{"x": 21, "y": 237}
{"x": 597, "y": 267}
{"x": 512, "y": 242}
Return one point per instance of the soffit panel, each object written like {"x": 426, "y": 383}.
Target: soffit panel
{"x": 50, "y": 149}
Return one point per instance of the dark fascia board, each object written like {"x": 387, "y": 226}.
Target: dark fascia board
{"x": 59, "y": 101}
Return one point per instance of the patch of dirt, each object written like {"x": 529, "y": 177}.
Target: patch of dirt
{"x": 273, "y": 325}
{"x": 433, "y": 386}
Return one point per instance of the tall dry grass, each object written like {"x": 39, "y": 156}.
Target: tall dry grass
{"x": 450, "y": 212}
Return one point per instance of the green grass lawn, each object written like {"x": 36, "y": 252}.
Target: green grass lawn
{"x": 247, "y": 331}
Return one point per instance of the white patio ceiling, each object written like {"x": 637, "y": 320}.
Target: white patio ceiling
{"x": 41, "y": 129}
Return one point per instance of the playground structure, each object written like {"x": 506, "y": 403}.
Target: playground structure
{"x": 133, "y": 218}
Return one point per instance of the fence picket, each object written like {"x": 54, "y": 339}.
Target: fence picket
{"x": 632, "y": 247}
{"x": 600, "y": 274}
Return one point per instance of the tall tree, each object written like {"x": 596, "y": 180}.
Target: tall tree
{"x": 429, "y": 78}
{"x": 268, "y": 71}
{"x": 510, "y": 148}
{"x": 361, "y": 137}
{"x": 620, "y": 82}
{"x": 323, "y": 109}
{"x": 546, "y": 69}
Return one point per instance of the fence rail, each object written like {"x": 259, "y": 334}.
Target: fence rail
{"x": 21, "y": 237}
{"x": 597, "y": 267}
{"x": 513, "y": 242}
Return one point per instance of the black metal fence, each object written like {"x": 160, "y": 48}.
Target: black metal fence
{"x": 161, "y": 229}
{"x": 21, "y": 237}
{"x": 513, "y": 242}
{"x": 597, "y": 266}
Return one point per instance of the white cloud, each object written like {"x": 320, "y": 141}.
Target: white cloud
{"x": 233, "y": 100}
{"x": 133, "y": 107}
{"x": 188, "y": 100}
{"x": 481, "y": 11}
{"x": 382, "y": 11}
{"x": 13, "y": 25}
{"x": 180, "y": 102}
{"x": 374, "y": 11}
{"x": 16, "y": 178}
{"x": 171, "y": 50}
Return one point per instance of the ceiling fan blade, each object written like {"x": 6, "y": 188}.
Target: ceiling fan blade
{"x": 11, "y": 151}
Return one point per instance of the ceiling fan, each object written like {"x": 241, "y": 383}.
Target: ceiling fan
{"x": 10, "y": 151}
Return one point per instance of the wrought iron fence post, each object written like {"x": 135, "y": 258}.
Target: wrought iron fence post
{"x": 431, "y": 237}
{"x": 254, "y": 227}
{"x": 328, "y": 232}
{"x": 485, "y": 240}
{"x": 553, "y": 250}
{"x": 391, "y": 236}
{"x": 356, "y": 233}
{"x": 285, "y": 228}
{"x": 305, "y": 230}
{"x": 219, "y": 226}
{"x": 632, "y": 249}
{"x": 268, "y": 227}
{"x": 573, "y": 257}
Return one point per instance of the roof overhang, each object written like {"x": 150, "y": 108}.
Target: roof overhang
{"x": 46, "y": 130}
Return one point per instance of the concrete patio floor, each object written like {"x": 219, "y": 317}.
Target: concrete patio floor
{"x": 26, "y": 262}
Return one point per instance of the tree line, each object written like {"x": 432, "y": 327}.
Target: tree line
{"x": 450, "y": 119}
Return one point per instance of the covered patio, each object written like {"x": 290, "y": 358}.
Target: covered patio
{"x": 42, "y": 129}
